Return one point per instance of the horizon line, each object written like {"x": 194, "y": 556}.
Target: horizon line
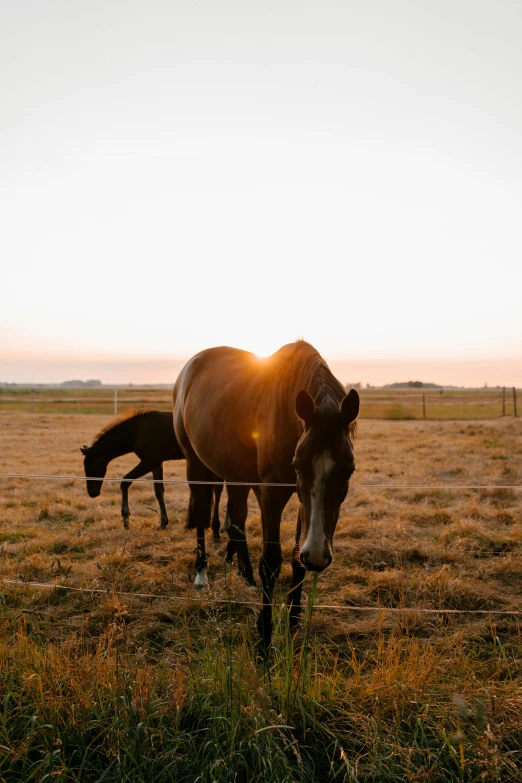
{"x": 358, "y": 385}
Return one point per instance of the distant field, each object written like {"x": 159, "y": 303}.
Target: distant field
{"x": 95, "y": 400}
{"x": 431, "y": 404}
{"x": 113, "y": 687}
{"x": 375, "y": 403}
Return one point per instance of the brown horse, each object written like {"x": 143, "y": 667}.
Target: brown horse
{"x": 282, "y": 421}
{"x": 150, "y": 435}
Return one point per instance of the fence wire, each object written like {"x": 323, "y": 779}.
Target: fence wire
{"x": 230, "y": 601}
{"x": 235, "y": 602}
{"x": 46, "y": 476}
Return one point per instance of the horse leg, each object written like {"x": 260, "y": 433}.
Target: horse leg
{"x": 140, "y": 470}
{"x": 124, "y": 486}
{"x": 199, "y": 514}
{"x": 293, "y": 598}
{"x": 231, "y": 546}
{"x": 159, "y": 491}
{"x": 238, "y": 509}
{"x": 217, "y": 490}
{"x": 191, "y": 522}
{"x": 273, "y": 501}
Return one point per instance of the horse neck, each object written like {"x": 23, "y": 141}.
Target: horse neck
{"x": 316, "y": 378}
{"x": 116, "y": 442}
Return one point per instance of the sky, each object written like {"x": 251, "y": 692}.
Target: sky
{"x": 177, "y": 175}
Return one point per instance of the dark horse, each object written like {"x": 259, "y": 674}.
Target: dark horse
{"x": 150, "y": 435}
{"x": 280, "y": 420}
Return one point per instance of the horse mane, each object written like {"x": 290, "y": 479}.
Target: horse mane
{"x": 311, "y": 372}
{"x": 132, "y": 413}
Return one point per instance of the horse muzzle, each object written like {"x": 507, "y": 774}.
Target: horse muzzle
{"x": 94, "y": 490}
{"x": 312, "y": 562}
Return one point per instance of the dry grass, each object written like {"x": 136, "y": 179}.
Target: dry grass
{"x": 439, "y": 695}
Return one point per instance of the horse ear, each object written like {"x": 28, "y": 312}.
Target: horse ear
{"x": 84, "y": 450}
{"x": 304, "y": 406}
{"x": 350, "y": 407}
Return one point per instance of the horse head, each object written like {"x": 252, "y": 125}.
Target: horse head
{"x": 323, "y": 463}
{"x": 95, "y": 466}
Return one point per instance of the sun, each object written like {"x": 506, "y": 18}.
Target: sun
{"x": 263, "y": 346}
{"x": 265, "y": 342}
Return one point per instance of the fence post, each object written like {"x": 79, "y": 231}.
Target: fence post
{"x": 503, "y": 400}
{"x": 515, "y": 401}
{"x": 115, "y": 401}
{"x": 423, "y": 406}
{"x": 32, "y": 400}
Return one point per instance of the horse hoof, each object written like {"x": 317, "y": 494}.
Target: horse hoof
{"x": 163, "y": 525}
{"x": 201, "y": 579}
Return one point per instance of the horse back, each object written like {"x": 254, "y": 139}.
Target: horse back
{"x": 216, "y": 403}
{"x": 229, "y": 414}
{"x": 155, "y": 438}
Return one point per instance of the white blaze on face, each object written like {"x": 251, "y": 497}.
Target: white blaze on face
{"x": 315, "y": 540}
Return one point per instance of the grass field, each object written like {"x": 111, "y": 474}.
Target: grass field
{"x": 103, "y": 686}
{"x": 375, "y": 403}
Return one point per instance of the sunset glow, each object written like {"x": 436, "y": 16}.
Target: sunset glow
{"x": 354, "y": 179}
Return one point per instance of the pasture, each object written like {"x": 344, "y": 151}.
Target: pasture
{"x": 114, "y": 686}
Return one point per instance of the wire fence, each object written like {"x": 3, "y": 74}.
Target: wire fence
{"x": 50, "y": 476}
{"x": 259, "y": 603}
{"x": 411, "y": 403}
{"x": 500, "y": 549}
{"x": 232, "y": 601}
